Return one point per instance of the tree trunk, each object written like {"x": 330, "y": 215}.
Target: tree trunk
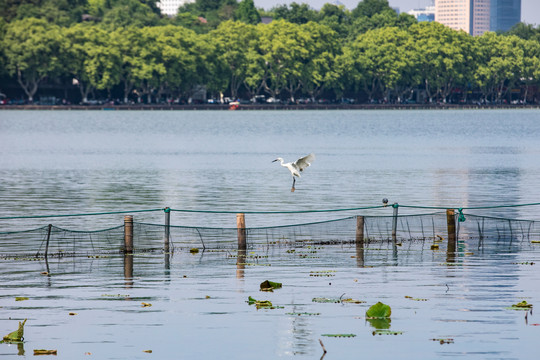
{"x": 30, "y": 86}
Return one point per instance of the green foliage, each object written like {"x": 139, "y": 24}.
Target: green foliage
{"x": 338, "y": 18}
{"x": 246, "y": 12}
{"x": 60, "y": 12}
{"x": 295, "y": 13}
{"x": 129, "y": 13}
{"x": 33, "y": 51}
{"x": 443, "y": 57}
{"x": 220, "y": 45}
{"x": 502, "y": 62}
{"x": 93, "y": 60}
{"x": 210, "y": 13}
{"x": 370, "y": 8}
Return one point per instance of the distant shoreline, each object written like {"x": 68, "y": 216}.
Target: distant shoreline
{"x": 164, "y": 107}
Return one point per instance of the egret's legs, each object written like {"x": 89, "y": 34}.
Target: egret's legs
{"x": 293, "y": 182}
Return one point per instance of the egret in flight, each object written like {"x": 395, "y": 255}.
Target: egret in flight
{"x": 298, "y": 166}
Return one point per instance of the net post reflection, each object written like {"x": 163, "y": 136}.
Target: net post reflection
{"x": 359, "y": 241}
{"x": 128, "y": 270}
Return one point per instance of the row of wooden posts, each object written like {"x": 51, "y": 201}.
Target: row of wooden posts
{"x": 242, "y": 233}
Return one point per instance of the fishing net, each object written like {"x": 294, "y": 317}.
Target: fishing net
{"x": 475, "y": 232}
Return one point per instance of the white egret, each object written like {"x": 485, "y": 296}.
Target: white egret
{"x": 298, "y": 166}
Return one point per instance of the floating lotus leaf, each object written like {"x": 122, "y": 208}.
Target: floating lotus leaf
{"x": 523, "y": 305}
{"x": 44, "y": 352}
{"x": 268, "y": 285}
{"x": 21, "y": 298}
{"x": 17, "y": 335}
{"x": 444, "y": 341}
{"x": 324, "y": 273}
{"x": 303, "y": 314}
{"x": 379, "y": 311}
{"x": 352, "y": 301}
{"x": 339, "y": 335}
{"x": 386, "y": 332}
{"x": 261, "y": 304}
{"x": 194, "y": 250}
{"x": 326, "y": 300}
{"x": 415, "y": 299}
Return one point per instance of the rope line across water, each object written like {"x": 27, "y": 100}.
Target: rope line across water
{"x": 167, "y": 209}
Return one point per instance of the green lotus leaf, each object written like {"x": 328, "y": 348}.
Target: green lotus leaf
{"x": 261, "y": 304}
{"x": 17, "y": 335}
{"x": 379, "y": 311}
{"x": 523, "y": 304}
{"x": 268, "y": 285}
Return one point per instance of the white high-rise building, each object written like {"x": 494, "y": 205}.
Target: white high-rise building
{"x": 170, "y": 7}
{"x": 425, "y": 14}
{"x": 456, "y": 14}
{"x": 478, "y": 16}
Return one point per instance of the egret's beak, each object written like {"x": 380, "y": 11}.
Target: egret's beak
{"x": 274, "y": 160}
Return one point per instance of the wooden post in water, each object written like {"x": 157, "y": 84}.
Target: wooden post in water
{"x": 360, "y": 241}
{"x": 241, "y": 226}
{"x": 128, "y": 234}
{"x": 167, "y": 230}
{"x": 394, "y": 221}
{"x": 451, "y": 224}
{"x": 128, "y": 270}
{"x": 360, "y": 230}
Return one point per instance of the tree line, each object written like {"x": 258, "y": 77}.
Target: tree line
{"x": 127, "y": 48}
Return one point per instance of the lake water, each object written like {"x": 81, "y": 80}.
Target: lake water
{"x": 104, "y": 161}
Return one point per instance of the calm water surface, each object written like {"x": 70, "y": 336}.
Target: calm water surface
{"x": 78, "y": 162}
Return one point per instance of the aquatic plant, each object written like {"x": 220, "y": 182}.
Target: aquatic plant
{"x": 523, "y": 305}
{"x": 17, "y": 335}
{"x": 324, "y": 273}
{"x": 261, "y": 304}
{"x": 386, "y": 332}
{"x": 325, "y": 300}
{"x": 268, "y": 285}
{"x": 352, "y": 301}
{"x": 303, "y": 314}
{"x": 444, "y": 341}
{"x": 378, "y": 311}
{"x": 45, "y": 352}
{"x": 339, "y": 335}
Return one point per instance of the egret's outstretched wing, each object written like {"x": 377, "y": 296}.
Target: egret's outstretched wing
{"x": 304, "y": 162}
